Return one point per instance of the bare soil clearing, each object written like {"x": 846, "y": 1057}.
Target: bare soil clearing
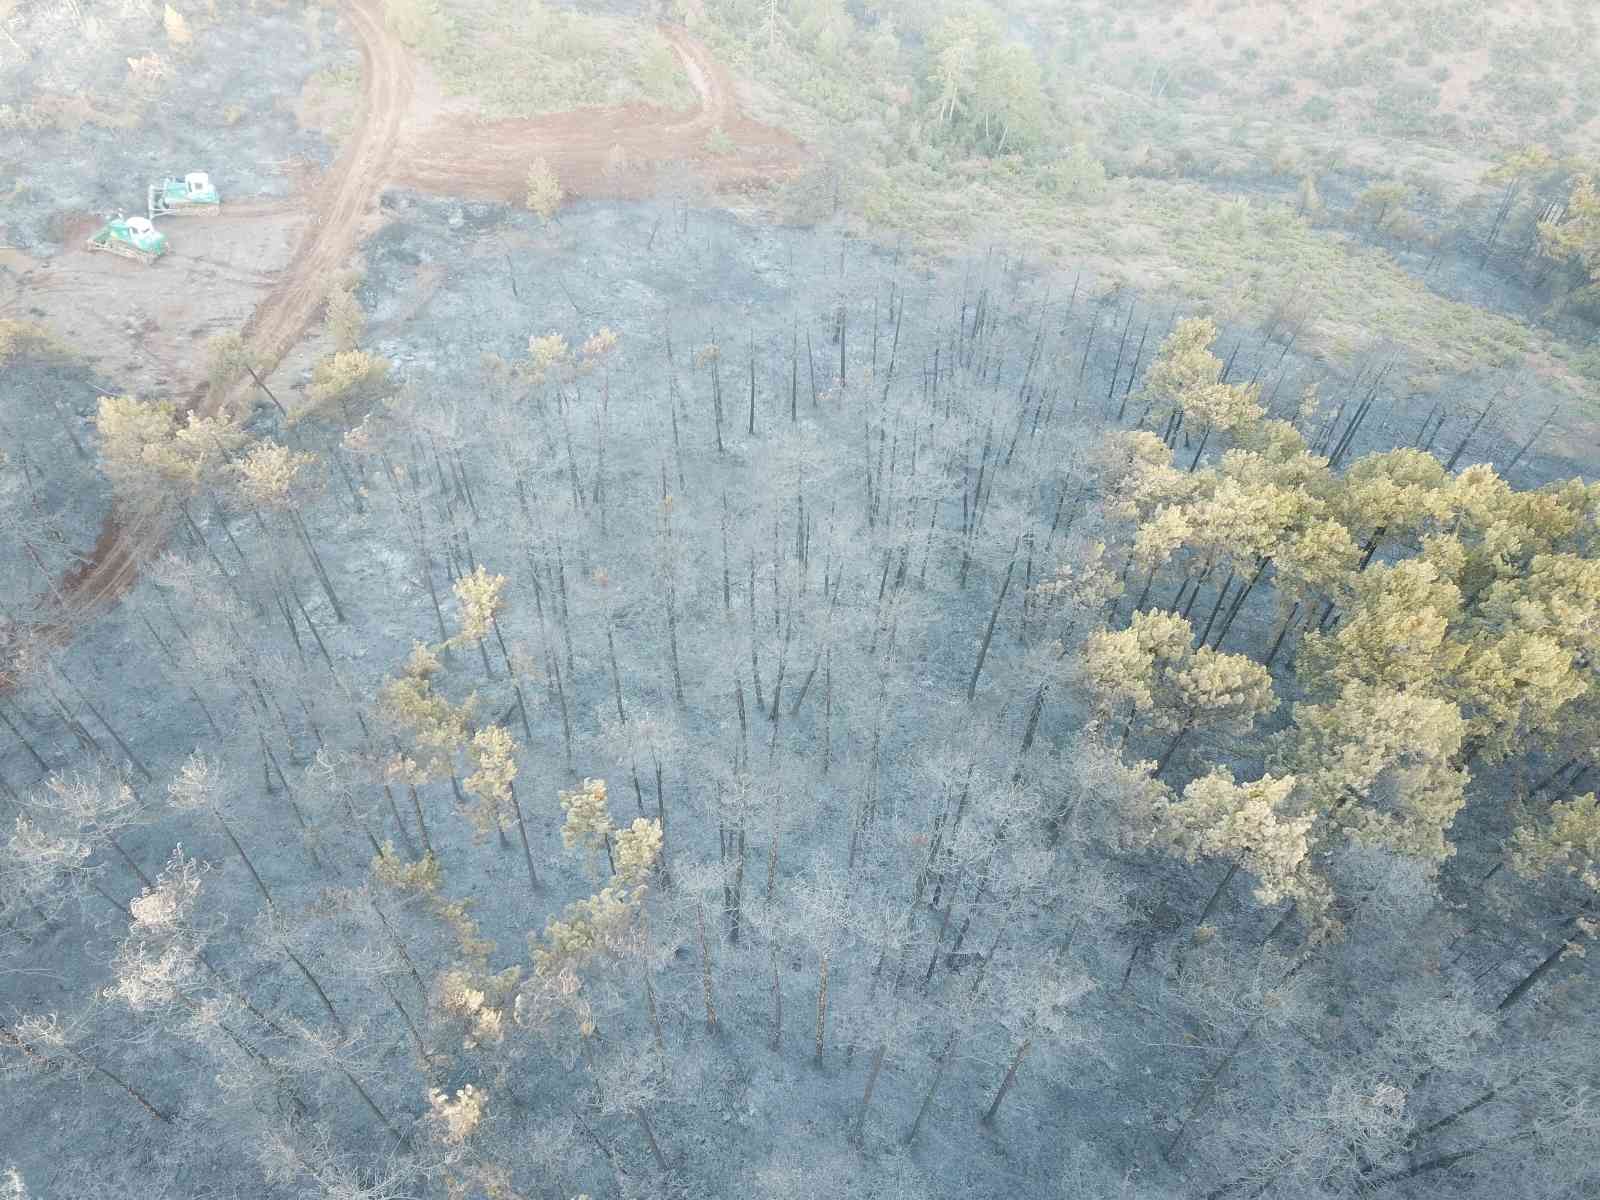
{"x": 227, "y": 262}
{"x": 601, "y": 153}
{"x": 208, "y": 283}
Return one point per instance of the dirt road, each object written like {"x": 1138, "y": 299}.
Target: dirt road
{"x": 346, "y": 197}
{"x": 599, "y": 153}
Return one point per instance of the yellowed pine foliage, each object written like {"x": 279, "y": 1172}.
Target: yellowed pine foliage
{"x": 638, "y": 848}
{"x": 493, "y": 754}
{"x": 345, "y": 375}
{"x": 482, "y": 596}
{"x": 1469, "y": 639}
{"x": 1567, "y": 842}
{"x": 455, "y": 1117}
{"x": 546, "y": 354}
{"x": 1397, "y": 633}
{"x": 270, "y": 474}
{"x": 588, "y": 816}
{"x": 436, "y": 726}
{"x": 1250, "y": 821}
{"x": 1137, "y": 476}
{"x": 148, "y": 452}
{"x": 345, "y": 320}
{"x": 1184, "y": 363}
{"x": 1154, "y": 666}
{"x": 1382, "y": 762}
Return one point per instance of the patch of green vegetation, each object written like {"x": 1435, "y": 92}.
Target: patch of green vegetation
{"x": 28, "y": 338}
{"x": 1409, "y": 108}
{"x": 1587, "y": 364}
{"x": 523, "y": 59}
{"x": 346, "y": 77}
{"x": 1234, "y": 258}
{"x": 328, "y": 101}
{"x": 1523, "y": 94}
{"x": 1318, "y": 109}
{"x": 1355, "y": 294}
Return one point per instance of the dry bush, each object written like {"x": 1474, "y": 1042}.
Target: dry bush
{"x": 346, "y": 322}
{"x": 228, "y": 360}
{"x": 148, "y": 72}
{"x": 544, "y": 189}
{"x": 19, "y": 337}
{"x": 177, "y": 29}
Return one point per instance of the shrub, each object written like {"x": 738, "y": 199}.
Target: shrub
{"x": 1318, "y": 108}
{"x": 176, "y": 27}
{"x": 1587, "y": 364}
{"x": 421, "y": 23}
{"x": 346, "y": 376}
{"x": 1233, "y": 218}
{"x": 228, "y": 360}
{"x": 346, "y": 322}
{"x": 544, "y": 188}
{"x": 1078, "y": 176}
{"x": 148, "y": 71}
{"x": 20, "y": 336}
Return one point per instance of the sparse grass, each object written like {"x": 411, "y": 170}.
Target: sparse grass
{"x": 1356, "y": 294}
{"x": 28, "y": 337}
{"x": 22, "y": 117}
{"x": 524, "y": 59}
{"x": 66, "y": 114}
{"x": 1222, "y": 254}
{"x": 327, "y": 102}
{"x": 346, "y": 76}
{"x": 1587, "y": 364}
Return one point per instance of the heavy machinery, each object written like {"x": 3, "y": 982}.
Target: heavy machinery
{"x": 131, "y": 237}
{"x": 193, "y": 195}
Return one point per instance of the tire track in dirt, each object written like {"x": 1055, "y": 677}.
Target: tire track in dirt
{"x": 454, "y": 157}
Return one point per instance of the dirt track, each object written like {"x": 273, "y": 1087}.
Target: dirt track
{"x": 597, "y": 153}
{"x": 347, "y": 194}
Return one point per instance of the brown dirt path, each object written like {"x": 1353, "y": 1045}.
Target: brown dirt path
{"x": 599, "y": 153}
{"x": 347, "y": 195}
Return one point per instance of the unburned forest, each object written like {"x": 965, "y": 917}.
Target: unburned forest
{"x": 798, "y": 599}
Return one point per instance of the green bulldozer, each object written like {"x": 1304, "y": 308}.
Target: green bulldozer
{"x": 131, "y": 237}
{"x": 192, "y": 196}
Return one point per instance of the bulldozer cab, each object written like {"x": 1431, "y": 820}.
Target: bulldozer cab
{"x": 139, "y": 227}
{"x": 197, "y": 182}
